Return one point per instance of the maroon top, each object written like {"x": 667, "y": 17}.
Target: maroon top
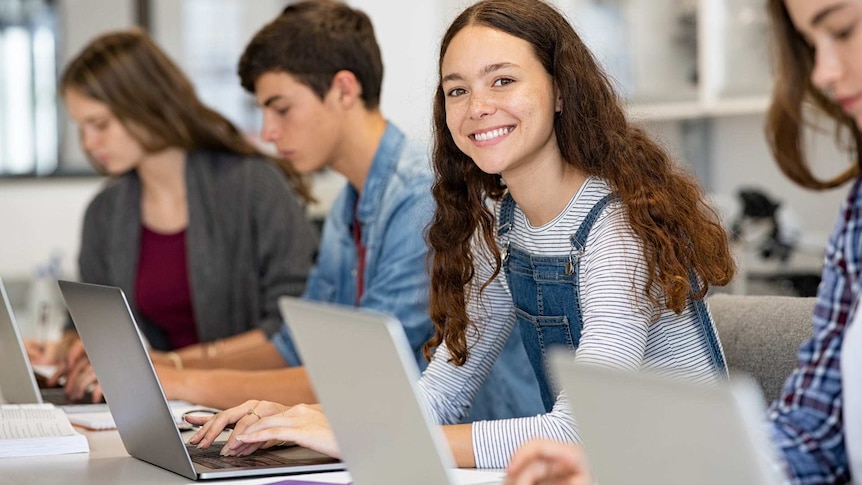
{"x": 162, "y": 290}
{"x": 360, "y": 255}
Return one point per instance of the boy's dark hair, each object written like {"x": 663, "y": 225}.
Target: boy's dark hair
{"x": 312, "y": 40}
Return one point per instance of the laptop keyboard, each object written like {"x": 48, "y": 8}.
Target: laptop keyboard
{"x": 57, "y": 397}
{"x": 210, "y": 458}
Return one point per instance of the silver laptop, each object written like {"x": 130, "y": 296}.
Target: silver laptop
{"x": 650, "y": 430}
{"x": 365, "y": 376}
{"x": 18, "y": 383}
{"x": 142, "y": 415}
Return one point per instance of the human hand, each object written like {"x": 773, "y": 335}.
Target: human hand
{"x": 75, "y": 352}
{"x": 70, "y": 355}
{"x": 43, "y": 353}
{"x": 81, "y": 379}
{"x": 239, "y": 418}
{"x": 303, "y": 424}
{"x": 543, "y": 462}
{"x": 53, "y": 353}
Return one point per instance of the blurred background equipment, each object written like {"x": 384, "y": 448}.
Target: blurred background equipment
{"x": 771, "y": 231}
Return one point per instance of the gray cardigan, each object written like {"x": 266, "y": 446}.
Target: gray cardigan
{"x": 248, "y": 242}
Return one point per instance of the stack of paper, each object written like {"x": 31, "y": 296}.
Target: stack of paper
{"x": 36, "y": 430}
{"x": 95, "y": 418}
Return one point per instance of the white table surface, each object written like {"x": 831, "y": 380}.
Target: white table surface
{"x": 108, "y": 463}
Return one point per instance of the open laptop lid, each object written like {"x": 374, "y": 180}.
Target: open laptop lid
{"x": 141, "y": 412}
{"x": 17, "y": 381}
{"x": 651, "y": 430}
{"x": 365, "y": 377}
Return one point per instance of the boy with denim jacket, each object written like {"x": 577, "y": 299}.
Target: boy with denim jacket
{"x": 316, "y": 71}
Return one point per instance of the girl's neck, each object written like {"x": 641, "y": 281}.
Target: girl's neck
{"x": 162, "y": 174}
{"x": 545, "y": 192}
{"x": 164, "y": 207}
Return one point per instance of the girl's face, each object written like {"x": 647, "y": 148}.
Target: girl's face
{"x": 832, "y": 28}
{"x": 103, "y": 137}
{"x": 500, "y": 102}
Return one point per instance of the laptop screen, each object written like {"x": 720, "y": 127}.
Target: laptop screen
{"x": 138, "y": 404}
{"x": 17, "y": 382}
{"x": 666, "y": 431}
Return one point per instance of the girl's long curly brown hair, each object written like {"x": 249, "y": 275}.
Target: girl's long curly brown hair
{"x": 785, "y": 124}
{"x": 664, "y": 205}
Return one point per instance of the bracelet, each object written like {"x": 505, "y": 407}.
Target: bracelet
{"x": 176, "y": 359}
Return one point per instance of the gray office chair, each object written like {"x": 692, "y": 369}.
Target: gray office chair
{"x": 762, "y": 334}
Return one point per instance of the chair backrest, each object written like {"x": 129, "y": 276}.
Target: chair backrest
{"x": 761, "y": 335}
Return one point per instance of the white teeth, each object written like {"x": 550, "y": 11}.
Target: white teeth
{"x": 490, "y": 135}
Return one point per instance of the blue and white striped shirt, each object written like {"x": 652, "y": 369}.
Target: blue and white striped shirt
{"x": 621, "y": 327}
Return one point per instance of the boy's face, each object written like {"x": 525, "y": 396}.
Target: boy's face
{"x": 304, "y": 128}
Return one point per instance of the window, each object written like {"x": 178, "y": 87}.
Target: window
{"x": 28, "y": 99}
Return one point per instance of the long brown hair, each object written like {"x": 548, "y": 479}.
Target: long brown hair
{"x": 664, "y": 205}
{"x": 154, "y": 100}
{"x": 792, "y": 90}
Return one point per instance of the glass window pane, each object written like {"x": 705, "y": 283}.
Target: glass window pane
{"x": 28, "y": 99}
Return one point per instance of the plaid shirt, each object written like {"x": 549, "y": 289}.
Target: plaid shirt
{"x": 807, "y": 423}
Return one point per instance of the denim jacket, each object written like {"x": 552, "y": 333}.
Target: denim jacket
{"x": 394, "y": 211}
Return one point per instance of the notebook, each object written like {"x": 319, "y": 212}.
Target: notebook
{"x": 37, "y": 430}
{"x": 365, "y": 376}
{"x": 144, "y": 421}
{"x": 645, "y": 429}
{"x": 17, "y": 380}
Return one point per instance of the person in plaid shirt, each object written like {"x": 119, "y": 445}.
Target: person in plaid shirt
{"x": 819, "y": 53}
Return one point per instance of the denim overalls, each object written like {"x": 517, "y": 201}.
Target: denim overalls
{"x": 546, "y": 296}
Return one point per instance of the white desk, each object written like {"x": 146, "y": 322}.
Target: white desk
{"x": 108, "y": 463}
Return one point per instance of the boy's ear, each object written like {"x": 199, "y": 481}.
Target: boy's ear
{"x": 346, "y": 88}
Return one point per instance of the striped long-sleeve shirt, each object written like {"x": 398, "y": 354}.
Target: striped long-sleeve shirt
{"x": 621, "y": 327}
{"x": 807, "y": 420}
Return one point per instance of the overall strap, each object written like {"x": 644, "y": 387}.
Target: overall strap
{"x": 507, "y": 214}
{"x": 707, "y": 327}
{"x": 579, "y": 239}
{"x": 545, "y": 292}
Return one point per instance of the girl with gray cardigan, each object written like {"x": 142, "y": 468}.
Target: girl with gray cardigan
{"x": 201, "y": 231}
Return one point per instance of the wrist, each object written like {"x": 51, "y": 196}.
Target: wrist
{"x": 175, "y": 359}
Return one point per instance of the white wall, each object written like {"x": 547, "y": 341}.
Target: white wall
{"x": 41, "y": 218}
{"x": 408, "y": 34}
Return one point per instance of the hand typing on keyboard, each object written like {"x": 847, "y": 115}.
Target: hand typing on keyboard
{"x": 262, "y": 424}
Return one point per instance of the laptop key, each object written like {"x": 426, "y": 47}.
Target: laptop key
{"x": 211, "y": 458}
